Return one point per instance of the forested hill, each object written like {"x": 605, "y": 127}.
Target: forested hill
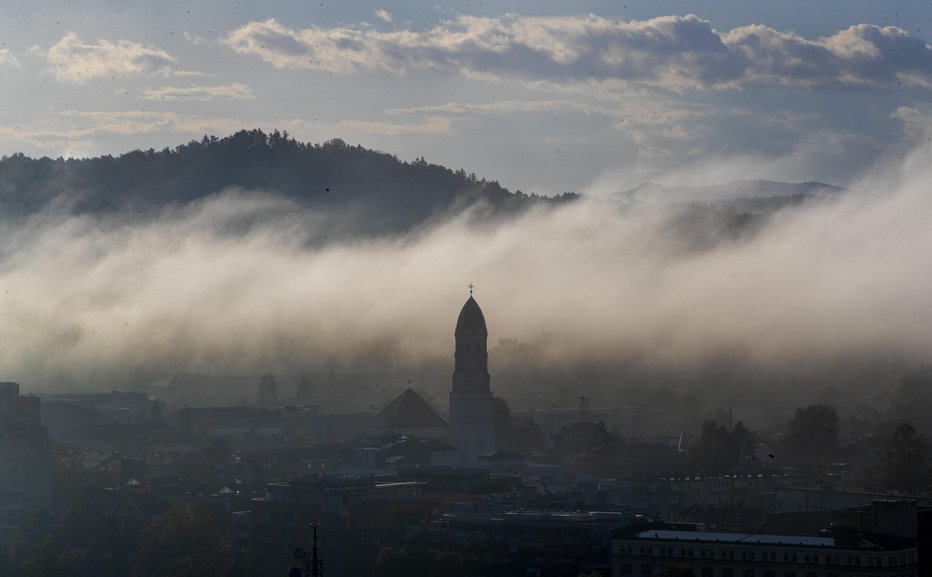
{"x": 385, "y": 192}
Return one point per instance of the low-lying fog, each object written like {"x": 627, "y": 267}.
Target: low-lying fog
{"x": 836, "y": 293}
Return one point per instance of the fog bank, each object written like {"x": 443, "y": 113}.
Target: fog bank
{"x": 240, "y": 283}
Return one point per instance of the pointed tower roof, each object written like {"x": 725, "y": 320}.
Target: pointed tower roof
{"x": 471, "y": 317}
{"x": 408, "y": 411}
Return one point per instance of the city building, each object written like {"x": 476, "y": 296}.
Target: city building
{"x": 354, "y": 516}
{"x": 510, "y": 542}
{"x": 408, "y": 414}
{"x": 472, "y": 429}
{"x": 668, "y": 497}
{"x": 25, "y": 460}
{"x": 393, "y": 453}
{"x": 880, "y": 541}
{"x": 828, "y": 498}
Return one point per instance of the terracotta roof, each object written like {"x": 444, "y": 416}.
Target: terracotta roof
{"x": 408, "y": 411}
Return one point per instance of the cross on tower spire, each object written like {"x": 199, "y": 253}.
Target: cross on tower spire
{"x": 471, "y": 286}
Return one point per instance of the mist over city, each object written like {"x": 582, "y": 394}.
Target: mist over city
{"x": 465, "y": 288}
{"x": 249, "y": 281}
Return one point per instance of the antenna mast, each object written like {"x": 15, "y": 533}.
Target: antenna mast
{"x": 313, "y": 563}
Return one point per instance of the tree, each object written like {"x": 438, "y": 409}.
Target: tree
{"x": 43, "y": 560}
{"x": 501, "y": 418}
{"x": 182, "y": 542}
{"x": 268, "y": 391}
{"x": 591, "y": 438}
{"x": 904, "y": 460}
{"x": 713, "y": 451}
{"x": 404, "y": 563}
{"x": 303, "y": 393}
{"x": 449, "y": 564}
{"x": 717, "y": 448}
{"x": 87, "y": 521}
{"x": 914, "y": 397}
{"x": 521, "y": 434}
{"x": 6, "y": 564}
{"x": 413, "y": 561}
{"x": 92, "y": 561}
{"x": 812, "y": 433}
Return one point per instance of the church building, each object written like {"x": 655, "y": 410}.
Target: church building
{"x": 472, "y": 429}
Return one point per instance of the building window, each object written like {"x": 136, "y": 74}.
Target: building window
{"x": 646, "y": 571}
{"x": 707, "y": 572}
{"x": 727, "y": 572}
{"x": 789, "y": 574}
{"x": 625, "y": 569}
{"x": 748, "y": 573}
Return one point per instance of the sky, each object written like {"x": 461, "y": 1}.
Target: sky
{"x": 543, "y": 96}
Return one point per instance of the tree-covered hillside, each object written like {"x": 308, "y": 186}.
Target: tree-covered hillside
{"x": 387, "y": 194}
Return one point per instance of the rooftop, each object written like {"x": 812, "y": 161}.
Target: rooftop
{"x": 471, "y": 317}
{"x": 408, "y": 411}
{"x": 748, "y": 539}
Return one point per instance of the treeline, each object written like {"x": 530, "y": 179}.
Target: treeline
{"x": 86, "y": 542}
{"x": 334, "y": 174}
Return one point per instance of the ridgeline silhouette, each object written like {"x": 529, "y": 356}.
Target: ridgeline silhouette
{"x": 386, "y": 195}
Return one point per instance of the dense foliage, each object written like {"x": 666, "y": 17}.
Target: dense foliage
{"x": 388, "y": 194}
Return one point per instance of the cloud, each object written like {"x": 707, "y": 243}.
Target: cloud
{"x": 7, "y": 58}
{"x": 916, "y": 125}
{"x": 76, "y": 61}
{"x": 818, "y": 156}
{"x": 383, "y": 15}
{"x": 505, "y": 107}
{"x": 68, "y": 127}
{"x": 189, "y": 74}
{"x": 837, "y": 282}
{"x": 676, "y": 52}
{"x": 195, "y": 39}
{"x": 200, "y": 93}
{"x": 431, "y": 125}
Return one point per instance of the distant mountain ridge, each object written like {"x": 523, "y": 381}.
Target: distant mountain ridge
{"x": 729, "y": 191}
{"x": 382, "y": 193}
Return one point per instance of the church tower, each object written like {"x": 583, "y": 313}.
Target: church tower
{"x": 472, "y": 429}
